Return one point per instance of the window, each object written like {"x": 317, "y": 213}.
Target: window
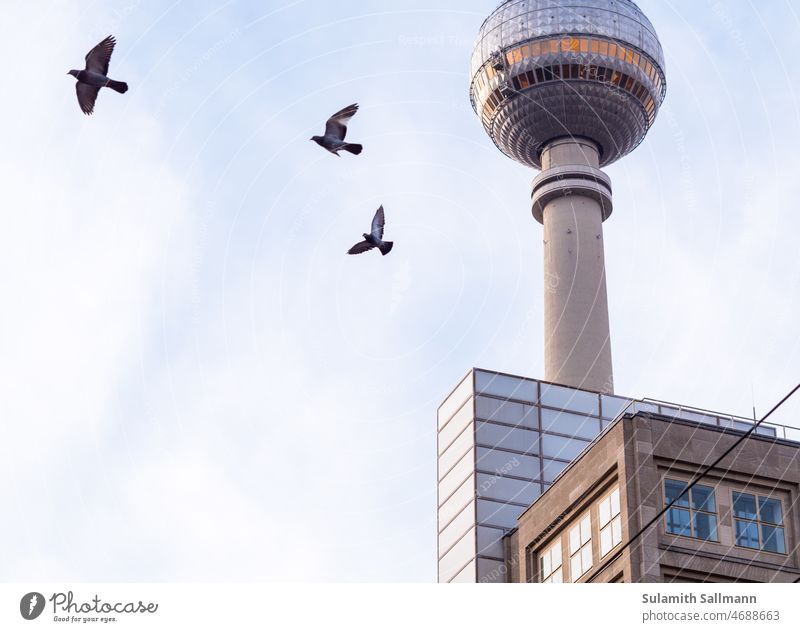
{"x": 610, "y": 522}
{"x": 694, "y": 514}
{"x": 550, "y": 565}
{"x": 758, "y": 523}
{"x": 570, "y": 44}
{"x": 580, "y": 548}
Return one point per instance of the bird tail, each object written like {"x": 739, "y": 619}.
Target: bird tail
{"x": 118, "y": 86}
{"x": 353, "y": 148}
{"x": 386, "y": 248}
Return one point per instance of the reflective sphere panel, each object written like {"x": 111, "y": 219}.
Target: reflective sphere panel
{"x": 545, "y": 69}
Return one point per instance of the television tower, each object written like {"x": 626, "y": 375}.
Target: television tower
{"x": 568, "y": 87}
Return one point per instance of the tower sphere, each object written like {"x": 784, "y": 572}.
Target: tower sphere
{"x": 547, "y": 69}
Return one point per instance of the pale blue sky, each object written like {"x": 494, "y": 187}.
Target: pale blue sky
{"x": 197, "y": 384}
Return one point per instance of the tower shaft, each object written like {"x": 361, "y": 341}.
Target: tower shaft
{"x": 572, "y": 198}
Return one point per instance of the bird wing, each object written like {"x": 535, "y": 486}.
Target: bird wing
{"x": 86, "y": 96}
{"x": 97, "y": 59}
{"x": 362, "y": 246}
{"x": 378, "y": 223}
{"x": 336, "y": 127}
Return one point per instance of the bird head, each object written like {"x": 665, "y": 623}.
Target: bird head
{"x": 316, "y": 139}
{"x": 74, "y": 73}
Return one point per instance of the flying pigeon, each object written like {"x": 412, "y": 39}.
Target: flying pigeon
{"x": 336, "y": 130}
{"x": 375, "y": 238}
{"x": 94, "y": 76}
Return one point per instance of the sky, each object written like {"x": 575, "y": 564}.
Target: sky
{"x": 196, "y": 384}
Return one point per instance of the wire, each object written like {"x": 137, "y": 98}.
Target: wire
{"x": 694, "y": 482}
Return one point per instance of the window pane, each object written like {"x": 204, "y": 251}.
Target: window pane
{"x": 570, "y": 399}
{"x": 605, "y": 512}
{"x": 491, "y": 571}
{"x": 605, "y": 541}
{"x": 555, "y": 555}
{"x": 678, "y": 522}
{"x": 495, "y": 461}
{"x": 586, "y": 530}
{"x": 498, "y": 515}
{"x": 773, "y": 539}
{"x": 616, "y": 530}
{"x": 507, "y": 489}
{"x": 558, "y": 577}
{"x": 613, "y": 406}
{"x": 575, "y": 567}
{"x": 676, "y": 489}
{"x": 562, "y": 447}
{"x": 569, "y": 424}
{"x": 586, "y": 556}
{"x": 615, "y": 502}
{"x": 705, "y": 526}
{"x": 574, "y": 540}
{"x": 504, "y": 437}
{"x": 493, "y": 409}
{"x": 746, "y": 534}
{"x": 703, "y": 498}
{"x": 770, "y": 510}
{"x": 546, "y": 568}
{"x": 505, "y": 386}
{"x": 552, "y": 469}
{"x": 490, "y": 542}
{"x": 744, "y": 506}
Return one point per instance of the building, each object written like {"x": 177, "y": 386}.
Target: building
{"x": 503, "y": 440}
{"x": 569, "y": 87}
{"x": 741, "y": 523}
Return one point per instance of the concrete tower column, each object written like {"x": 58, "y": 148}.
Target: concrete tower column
{"x": 572, "y": 199}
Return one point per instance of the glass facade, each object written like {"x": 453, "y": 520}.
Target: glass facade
{"x": 502, "y": 440}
